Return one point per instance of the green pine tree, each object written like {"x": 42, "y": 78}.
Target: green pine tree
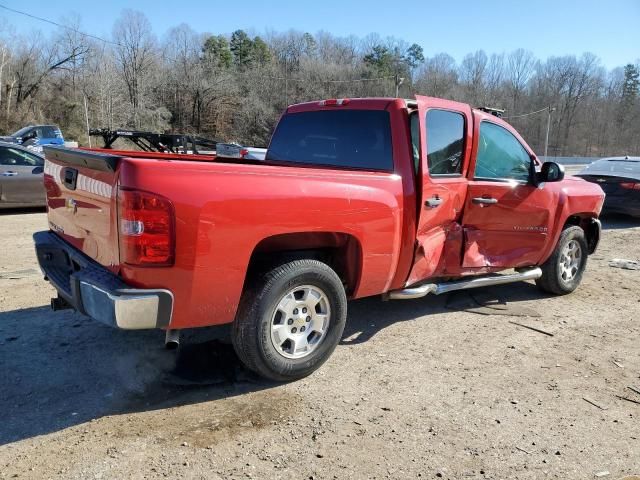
{"x": 216, "y": 51}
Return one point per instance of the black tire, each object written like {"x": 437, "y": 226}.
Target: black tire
{"x": 552, "y": 279}
{"x": 251, "y": 332}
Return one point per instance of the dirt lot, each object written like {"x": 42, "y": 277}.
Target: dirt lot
{"x": 431, "y": 388}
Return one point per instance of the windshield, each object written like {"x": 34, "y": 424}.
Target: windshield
{"x": 23, "y": 131}
{"x": 342, "y": 138}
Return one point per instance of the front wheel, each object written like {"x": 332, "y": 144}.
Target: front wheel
{"x": 290, "y": 320}
{"x": 562, "y": 272}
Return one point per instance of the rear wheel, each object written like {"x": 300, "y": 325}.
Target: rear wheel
{"x": 290, "y": 320}
{"x": 562, "y": 272}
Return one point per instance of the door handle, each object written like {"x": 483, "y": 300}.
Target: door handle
{"x": 433, "y": 202}
{"x": 484, "y": 201}
{"x": 9, "y": 173}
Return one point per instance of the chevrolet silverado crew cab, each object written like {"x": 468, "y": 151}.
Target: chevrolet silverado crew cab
{"x": 355, "y": 197}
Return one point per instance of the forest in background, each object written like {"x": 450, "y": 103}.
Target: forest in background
{"x": 233, "y": 87}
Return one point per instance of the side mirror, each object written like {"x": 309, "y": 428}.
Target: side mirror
{"x": 550, "y": 172}
{"x": 37, "y": 170}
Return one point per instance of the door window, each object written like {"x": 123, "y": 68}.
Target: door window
{"x": 14, "y": 156}
{"x": 501, "y": 155}
{"x": 445, "y": 138}
{"x": 47, "y": 132}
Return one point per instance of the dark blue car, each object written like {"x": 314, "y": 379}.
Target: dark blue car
{"x": 36, "y": 135}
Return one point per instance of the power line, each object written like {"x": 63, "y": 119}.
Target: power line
{"x": 527, "y": 114}
{"x": 59, "y": 25}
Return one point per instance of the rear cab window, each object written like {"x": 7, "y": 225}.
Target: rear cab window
{"x": 352, "y": 139}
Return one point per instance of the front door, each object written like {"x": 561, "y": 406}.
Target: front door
{"x": 507, "y": 219}
{"x": 442, "y": 149}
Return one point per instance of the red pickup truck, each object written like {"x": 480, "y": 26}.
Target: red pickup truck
{"x": 355, "y": 197}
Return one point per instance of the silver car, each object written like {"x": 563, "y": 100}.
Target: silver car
{"x": 21, "y": 177}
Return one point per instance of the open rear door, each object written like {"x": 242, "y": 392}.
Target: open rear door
{"x": 441, "y": 135}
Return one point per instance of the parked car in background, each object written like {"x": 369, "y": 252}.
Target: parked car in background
{"x": 619, "y": 177}
{"x": 35, "y": 136}
{"x": 21, "y": 177}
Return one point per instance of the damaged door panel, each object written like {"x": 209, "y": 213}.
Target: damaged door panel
{"x": 507, "y": 217}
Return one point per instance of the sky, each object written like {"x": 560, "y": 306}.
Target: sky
{"x": 608, "y": 28}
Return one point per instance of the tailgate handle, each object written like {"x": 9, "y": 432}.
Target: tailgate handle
{"x": 485, "y": 201}
{"x": 70, "y": 178}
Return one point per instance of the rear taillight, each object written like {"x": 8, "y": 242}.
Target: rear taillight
{"x": 630, "y": 185}
{"x": 146, "y": 229}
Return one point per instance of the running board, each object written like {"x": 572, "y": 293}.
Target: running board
{"x": 485, "y": 281}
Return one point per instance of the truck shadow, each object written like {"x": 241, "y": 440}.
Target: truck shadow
{"x": 362, "y": 326}
{"x": 61, "y": 369}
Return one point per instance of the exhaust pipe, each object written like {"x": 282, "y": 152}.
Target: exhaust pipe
{"x": 476, "y": 282}
{"x": 172, "y": 339}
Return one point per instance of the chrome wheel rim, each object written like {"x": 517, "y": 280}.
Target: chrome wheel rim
{"x": 570, "y": 260}
{"x": 300, "y": 321}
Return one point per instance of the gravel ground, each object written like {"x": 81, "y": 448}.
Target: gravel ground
{"x": 430, "y": 388}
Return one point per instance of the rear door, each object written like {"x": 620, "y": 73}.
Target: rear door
{"x": 442, "y": 149}
{"x": 507, "y": 220}
{"x": 21, "y": 177}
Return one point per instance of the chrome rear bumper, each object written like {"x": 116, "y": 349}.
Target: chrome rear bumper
{"x": 94, "y": 291}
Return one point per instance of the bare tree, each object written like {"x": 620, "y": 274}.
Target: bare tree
{"x": 135, "y": 53}
{"x": 472, "y": 77}
{"x": 520, "y": 68}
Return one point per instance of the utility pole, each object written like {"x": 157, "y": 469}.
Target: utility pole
{"x": 86, "y": 116}
{"x": 398, "y": 81}
{"x": 546, "y": 140}
{"x": 286, "y": 89}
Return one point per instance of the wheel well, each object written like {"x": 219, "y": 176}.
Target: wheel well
{"x": 341, "y": 251}
{"x": 591, "y": 226}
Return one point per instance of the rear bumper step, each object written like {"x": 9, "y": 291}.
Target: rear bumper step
{"x": 475, "y": 282}
{"x": 92, "y": 290}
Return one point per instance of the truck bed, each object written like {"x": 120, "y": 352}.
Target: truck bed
{"x": 224, "y": 213}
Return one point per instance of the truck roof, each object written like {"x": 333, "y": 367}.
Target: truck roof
{"x": 380, "y": 103}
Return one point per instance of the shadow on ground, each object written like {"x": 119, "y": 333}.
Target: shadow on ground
{"x": 362, "y": 325}
{"x": 21, "y": 211}
{"x": 61, "y": 369}
{"x": 613, "y": 221}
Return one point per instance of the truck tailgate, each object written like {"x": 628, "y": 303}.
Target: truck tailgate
{"x": 81, "y": 201}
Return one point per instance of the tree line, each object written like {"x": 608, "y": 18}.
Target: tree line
{"x": 234, "y": 87}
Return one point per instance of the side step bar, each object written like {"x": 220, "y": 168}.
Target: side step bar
{"x": 475, "y": 282}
